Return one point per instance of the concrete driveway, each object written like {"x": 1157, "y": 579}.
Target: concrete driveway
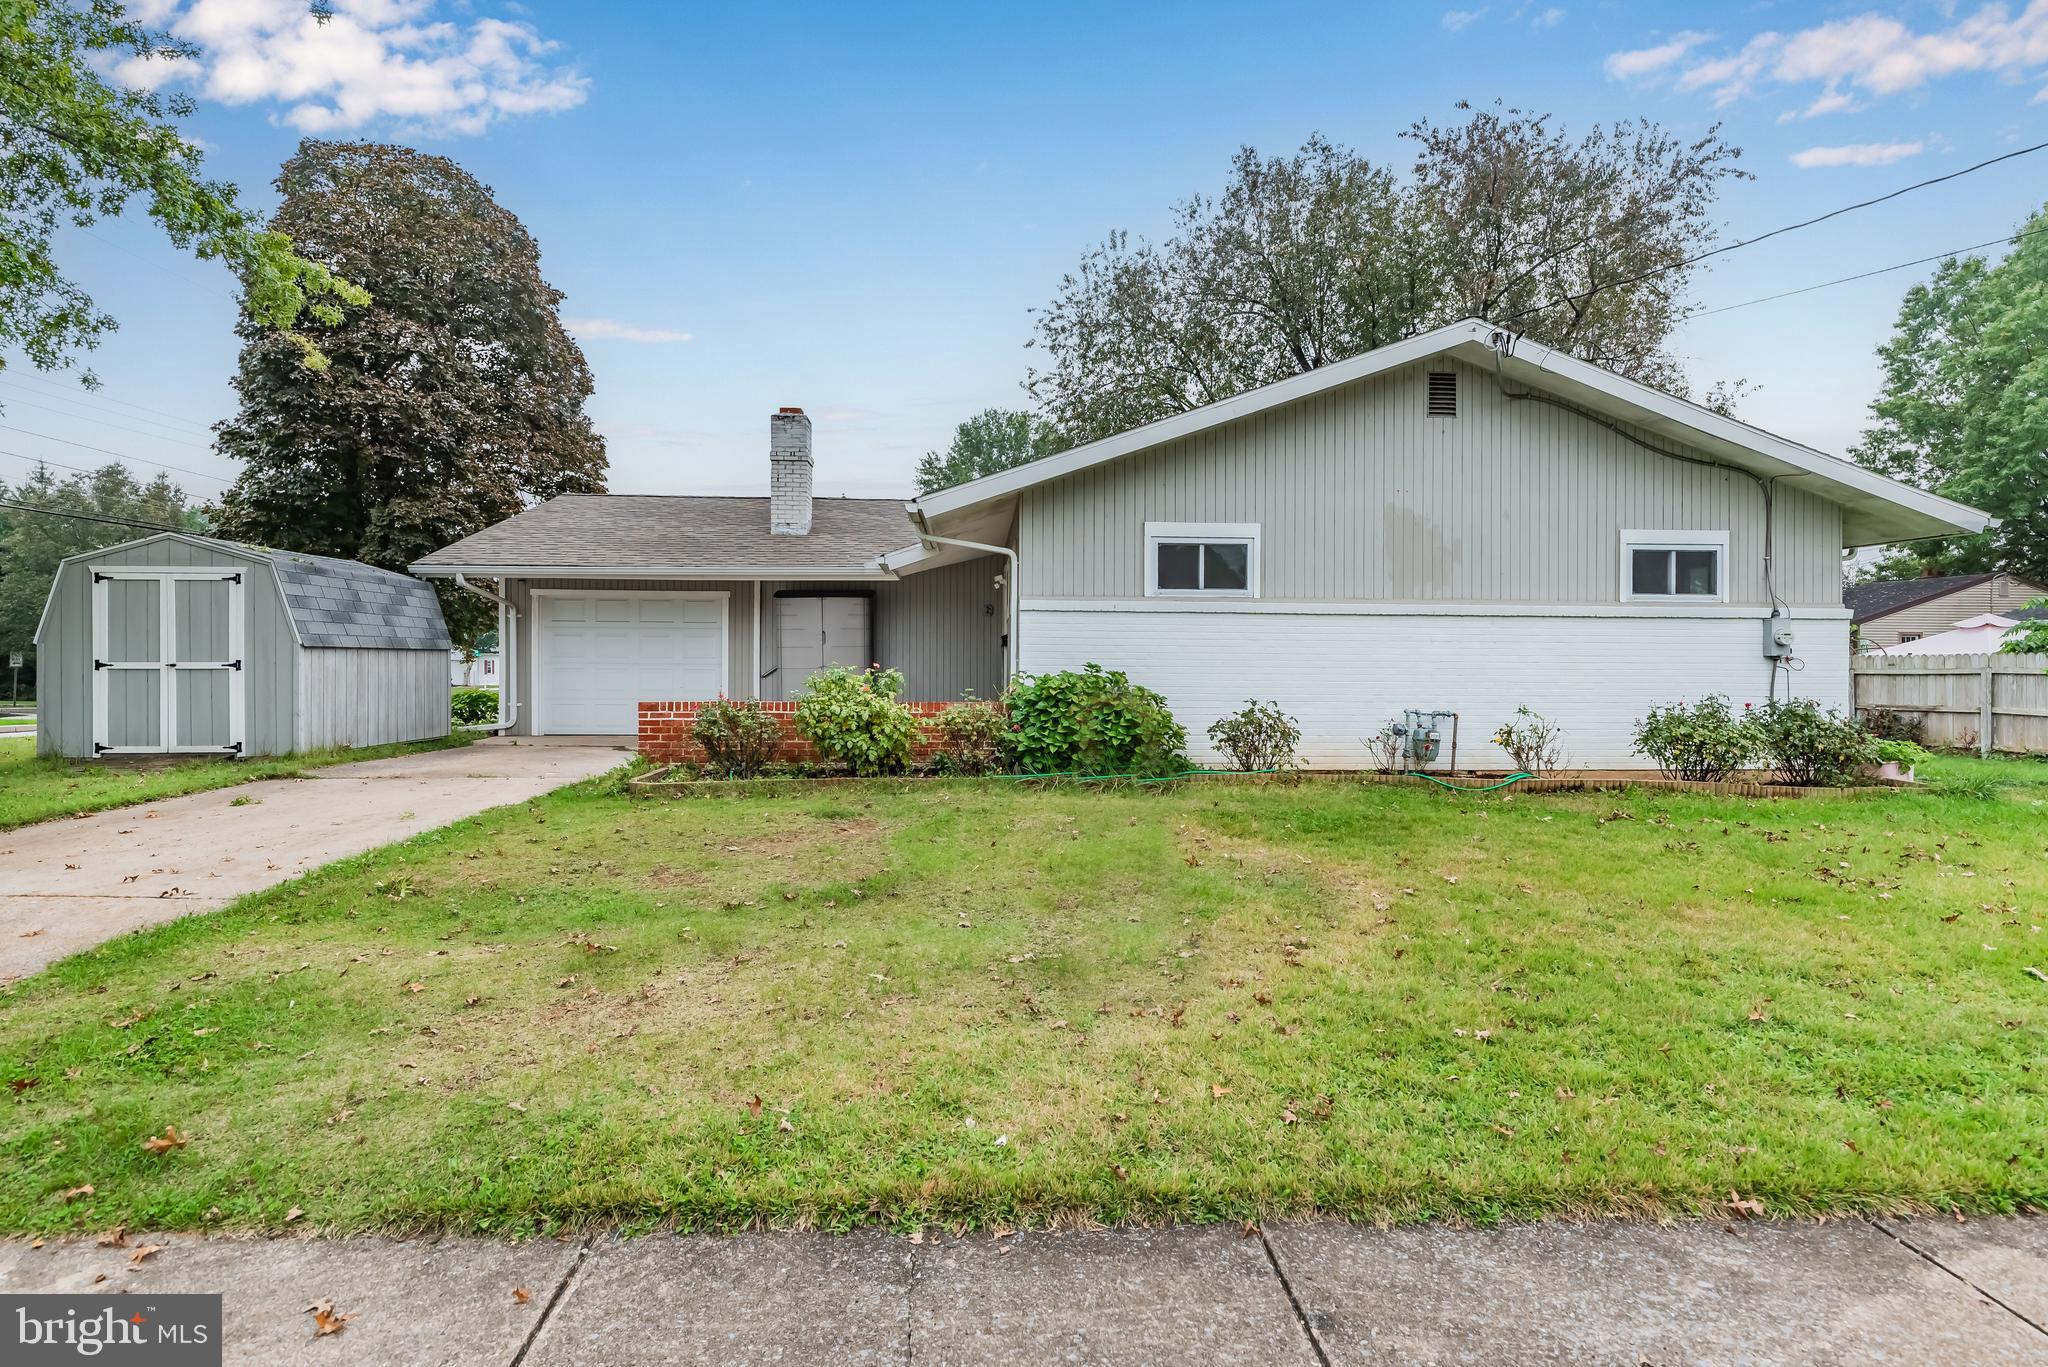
{"x": 68, "y": 884}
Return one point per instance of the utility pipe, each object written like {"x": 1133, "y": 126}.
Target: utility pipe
{"x": 508, "y": 647}
{"x": 929, "y": 537}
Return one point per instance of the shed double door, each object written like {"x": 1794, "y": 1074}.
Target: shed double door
{"x": 167, "y": 662}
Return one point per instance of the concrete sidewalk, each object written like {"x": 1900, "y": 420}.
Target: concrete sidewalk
{"x": 70, "y": 883}
{"x": 1844, "y": 1291}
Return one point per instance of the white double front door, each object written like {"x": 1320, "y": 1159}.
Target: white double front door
{"x": 599, "y": 655}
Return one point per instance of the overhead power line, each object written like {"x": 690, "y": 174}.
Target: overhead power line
{"x": 81, "y": 394}
{"x": 1865, "y": 275}
{"x": 118, "y": 455}
{"x": 171, "y": 435}
{"x": 10, "y": 504}
{"x": 1725, "y": 248}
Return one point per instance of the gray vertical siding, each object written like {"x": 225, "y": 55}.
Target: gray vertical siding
{"x": 368, "y": 696}
{"x": 64, "y": 658}
{"x": 1361, "y": 496}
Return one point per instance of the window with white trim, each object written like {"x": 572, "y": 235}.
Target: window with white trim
{"x": 1201, "y": 560}
{"x": 1674, "y": 567}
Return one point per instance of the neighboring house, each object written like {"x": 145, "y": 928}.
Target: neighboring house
{"x": 1981, "y": 635}
{"x": 477, "y": 668}
{"x": 1461, "y": 522}
{"x": 1898, "y": 611}
{"x": 186, "y": 645}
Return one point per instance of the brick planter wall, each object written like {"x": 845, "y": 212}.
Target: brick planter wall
{"x": 665, "y": 732}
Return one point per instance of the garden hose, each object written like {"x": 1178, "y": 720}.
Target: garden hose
{"x": 1511, "y": 778}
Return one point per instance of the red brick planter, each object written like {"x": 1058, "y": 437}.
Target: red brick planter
{"x": 665, "y": 732}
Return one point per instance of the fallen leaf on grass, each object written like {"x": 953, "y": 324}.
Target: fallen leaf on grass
{"x": 76, "y": 1192}
{"x": 165, "y": 1142}
{"x": 117, "y": 1237}
{"x": 325, "y": 1321}
{"x": 22, "y": 1084}
{"x": 1744, "y": 1205}
{"x": 136, "y": 1257}
{"x": 784, "y": 1125}
{"x": 1217, "y": 1090}
{"x": 293, "y": 1214}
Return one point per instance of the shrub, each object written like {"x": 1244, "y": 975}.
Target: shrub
{"x": 1705, "y": 741}
{"x": 1889, "y": 723}
{"x": 1092, "y": 721}
{"x": 1258, "y": 738}
{"x": 473, "y": 706}
{"x": 1904, "y": 753}
{"x": 1809, "y": 746}
{"x": 973, "y": 736}
{"x": 1384, "y": 746}
{"x": 1534, "y": 743}
{"x": 739, "y": 739}
{"x": 852, "y": 717}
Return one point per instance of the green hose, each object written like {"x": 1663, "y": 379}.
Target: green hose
{"x": 1511, "y": 778}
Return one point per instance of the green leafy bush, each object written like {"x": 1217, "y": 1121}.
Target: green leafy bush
{"x": 1258, "y": 738}
{"x": 1533, "y": 742}
{"x": 739, "y": 739}
{"x": 473, "y": 706}
{"x": 1904, "y": 753}
{"x": 1705, "y": 741}
{"x": 1890, "y": 723}
{"x": 1810, "y": 746}
{"x": 973, "y": 737}
{"x": 853, "y": 718}
{"x": 1092, "y": 721}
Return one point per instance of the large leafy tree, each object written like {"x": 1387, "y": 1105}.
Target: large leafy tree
{"x": 1963, "y": 410}
{"x": 77, "y": 146}
{"x": 453, "y": 401}
{"x": 1310, "y": 258}
{"x": 993, "y": 439}
{"x": 60, "y": 518}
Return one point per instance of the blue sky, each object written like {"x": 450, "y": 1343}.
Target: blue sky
{"x": 854, "y": 209}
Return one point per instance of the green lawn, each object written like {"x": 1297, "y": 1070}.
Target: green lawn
{"x": 33, "y": 789}
{"x": 17, "y": 721}
{"x": 964, "y": 1003}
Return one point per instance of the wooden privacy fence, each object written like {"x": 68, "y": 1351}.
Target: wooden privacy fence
{"x": 1985, "y": 702}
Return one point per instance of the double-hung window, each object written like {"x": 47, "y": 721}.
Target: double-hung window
{"x": 1201, "y": 560}
{"x": 1674, "y": 567}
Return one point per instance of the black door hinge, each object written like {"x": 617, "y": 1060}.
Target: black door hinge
{"x": 234, "y": 578}
{"x": 234, "y": 664}
{"x": 233, "y": 747}
{"x": 98, "y": 578}
{"x": 99, "y": 749}
{"x": 99, "y": 664}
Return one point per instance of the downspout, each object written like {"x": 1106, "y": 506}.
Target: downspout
{"x": 508, "y": 646}
{"x": 928, "y": 537}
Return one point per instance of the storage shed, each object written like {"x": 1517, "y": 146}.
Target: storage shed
{"x": 178, "y": 644}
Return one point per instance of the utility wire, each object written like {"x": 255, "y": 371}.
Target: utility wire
{"x": 1865, "y": 275}
{"x": 1698, "y": 257}
{"x": 172, "y": 435}
{"x": 63, "y": 391}
{"x": 118, "y": 455}
{"x": 10, "y": 504}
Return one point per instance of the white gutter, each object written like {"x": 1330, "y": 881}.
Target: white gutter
{"x": 508, "y": 647}
{"x": 795, "y": 573}
{"x": 929, "y": 538}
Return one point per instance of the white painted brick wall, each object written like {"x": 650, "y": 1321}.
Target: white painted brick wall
{"x": 1344, "y": 674}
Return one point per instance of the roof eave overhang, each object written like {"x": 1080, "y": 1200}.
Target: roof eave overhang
{"x": 870, "y": 570}
{"x": 1875, "y": 509}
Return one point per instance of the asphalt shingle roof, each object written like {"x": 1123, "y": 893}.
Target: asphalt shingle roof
{"x": 347, "y": 603}
{"x": 679, "y": 531}
{"x": 1866, "y": 601}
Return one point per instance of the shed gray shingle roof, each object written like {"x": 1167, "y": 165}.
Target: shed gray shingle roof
{"x": 678, "y": 531}
{"x": 347, "y": 603}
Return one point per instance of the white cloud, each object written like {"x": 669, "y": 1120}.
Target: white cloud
{"x": 611, "y": 330}
{"x": 1869, "y": 56}
{"x": 1550, "y": 18}
{"x": 374, "y": 61}
{"x": 1858, "y": 154}
{"x": 1459, "y": 18}
{"x": 1648, "y": 61}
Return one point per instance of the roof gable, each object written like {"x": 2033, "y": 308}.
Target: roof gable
{"x": 1875, "y": 509}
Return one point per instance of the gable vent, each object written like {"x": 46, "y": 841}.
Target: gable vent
{"x": 1443, "y": 394}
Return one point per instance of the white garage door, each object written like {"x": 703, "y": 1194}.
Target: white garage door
{"x": 602, "y": 654}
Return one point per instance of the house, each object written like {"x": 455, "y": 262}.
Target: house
{"x": 1984, "y": 634}
{"x": 1460, "y": 522}
{"x": 478, "y": 668}
{"x": 1894, "y": 612}
{"x": 179, "y": 644}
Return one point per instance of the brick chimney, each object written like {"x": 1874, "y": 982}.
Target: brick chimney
{"x": 789, "y": 473}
